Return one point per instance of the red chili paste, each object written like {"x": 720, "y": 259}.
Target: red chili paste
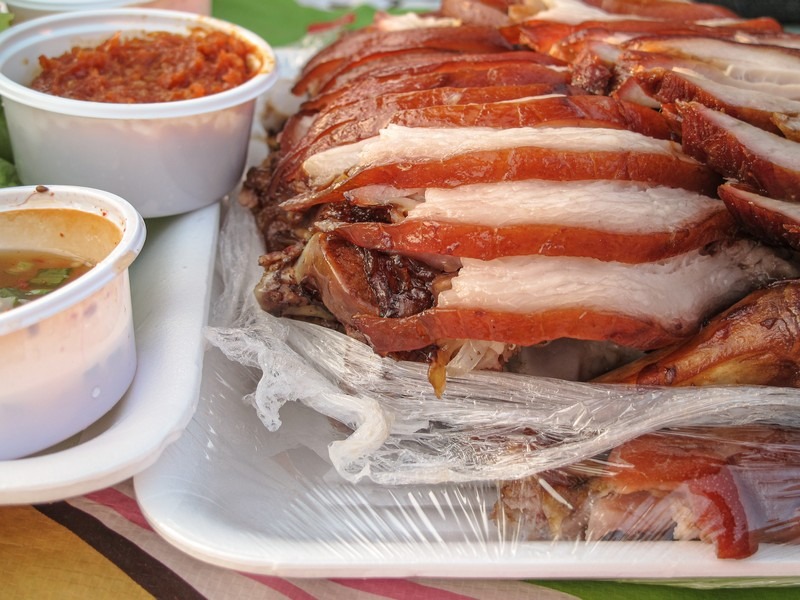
{"x": 160, "y": 67}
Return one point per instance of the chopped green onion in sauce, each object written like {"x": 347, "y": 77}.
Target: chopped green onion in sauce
{"x": 29, "y": 274}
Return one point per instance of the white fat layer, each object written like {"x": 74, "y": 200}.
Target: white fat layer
{"x": 777, "y": 81}
{"x": 303, "y": 125}
{"x": 676, "y": 292}
{"x": 531, "y": 98}
{"x": 572, "y": 12}
{"x": 750, "y": 98}
{"x": 325, "y": 166}
{"x": 773, "y": 148}
{"x": 618, "y": 206}
{"x": 379, "y": 195}
{"x": 412, "y": 20}
{"x": 746, "y": 78}
{"x": 396, "y": 143}
{"x": 790, "y": 210}
{"x": 723, "y": 53}
{"x": 779, "y": 39}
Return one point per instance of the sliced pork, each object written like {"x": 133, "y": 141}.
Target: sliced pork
{"x": 526, "y": 300}
{"x": 773, "y": 221}
{"x": 755, "y": 342}
{"x": 578, "y": 11}
{"x": 665, "y": 9}
{"x": 435, "y": 157}
{"x": 750, "y": 105}
{"x": 552, "y": 111}
{"x": 607, "y": 220}
{"x": 359, "y": 120}
{"x": 630, "y": 62}
{"x": 732, "y": 487}
{"x": 418, "y": 62}
{"x": 545, "y": 36}
{"x": 760, "y": 62}
{"x": 493, "y": 13}
{"x": 457, "y": 72}
{"x": 365, "y": 44}
{"x": 739, "y": 150}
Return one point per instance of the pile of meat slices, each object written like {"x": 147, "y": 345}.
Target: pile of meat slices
{"x": 465, "y": 186}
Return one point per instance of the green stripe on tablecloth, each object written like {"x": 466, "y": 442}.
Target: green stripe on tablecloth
{"x": 282, "y": 22}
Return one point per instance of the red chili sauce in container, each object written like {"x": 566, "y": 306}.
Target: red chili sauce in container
{"x": 157, "y": 67}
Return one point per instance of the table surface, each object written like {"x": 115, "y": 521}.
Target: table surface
{"x": 100, "y": 546}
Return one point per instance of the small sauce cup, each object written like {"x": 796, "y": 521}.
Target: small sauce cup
{"x": 69, "y": 356}
{"x": 165, "y": 158}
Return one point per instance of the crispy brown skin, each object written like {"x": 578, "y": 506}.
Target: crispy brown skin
{"x": 755, "y": 342}
{"x": 370, "y": 44}
{"x": 425, "y": 328}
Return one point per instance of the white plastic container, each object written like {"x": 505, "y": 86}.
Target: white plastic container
{"x": 25, "y": 10}
{"x": 164, "y": 158}
{"x": 67, "y": 357}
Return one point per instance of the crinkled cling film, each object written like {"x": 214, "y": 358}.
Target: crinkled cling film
{"x": 551, "y": 434}
{"x": 569, "y": 461}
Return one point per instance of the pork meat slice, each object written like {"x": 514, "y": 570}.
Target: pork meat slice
{"x": 545, "y": 36}
{"x": 461, "y": 71}
{"x": 578, "y": 11}
{"x": 551, "y": 110}
{"x": 668, "y": 10}
{"x": 448, "y": 157}
{"x": 415, "y": 62}
{"x": 631, "y": 61}
{"x": 738, "y": 150}
{"x": 773, "y": 221}
{"x": 733, "y": 487}
{"x": 607, "y": 220}
{"x": 754, "y": 62}
{"x": 755, "y": 342}
{"x": 750, "y": 105}
{"x": 526, "y": 300}
{"x": 411, "y": 67}
{"x": 361, "y": 44}
{"x": 491, "y": 13}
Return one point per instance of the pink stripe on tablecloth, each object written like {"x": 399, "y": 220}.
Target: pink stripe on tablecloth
{"x": 122, "y": 504}
{"x": 281, "y": 586}
{"x": 398, "y": 589}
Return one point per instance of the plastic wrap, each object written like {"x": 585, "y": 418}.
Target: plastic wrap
{"x": 487, "y": 426}
{"x": 312, "y": 455}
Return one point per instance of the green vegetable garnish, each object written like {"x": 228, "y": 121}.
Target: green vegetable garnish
{"x": 20, "y": 267}
{"x": 50, "y": 277}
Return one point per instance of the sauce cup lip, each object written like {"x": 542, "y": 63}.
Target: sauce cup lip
{"x": 106, "y": 22}
{"x": 133, "y": 231}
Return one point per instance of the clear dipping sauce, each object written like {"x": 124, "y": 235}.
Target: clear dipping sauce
{"x": 26, "y": 275}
